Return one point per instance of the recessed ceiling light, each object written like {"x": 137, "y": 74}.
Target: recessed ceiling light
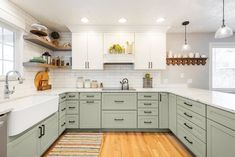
{"x": 122, "y": 20}
{"x": 84, "y": 20}
{"x": 160, "y": 20}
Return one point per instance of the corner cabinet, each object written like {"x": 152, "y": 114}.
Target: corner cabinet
{"x": 87, "y": 51}
{"x": 150, "y": 51}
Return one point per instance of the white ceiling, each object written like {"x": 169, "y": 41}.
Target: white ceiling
{"x": 204, "y": 15}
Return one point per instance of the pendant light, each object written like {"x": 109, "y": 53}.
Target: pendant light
{"x": 186, "y": 47}
{"x": 224, "y": 31}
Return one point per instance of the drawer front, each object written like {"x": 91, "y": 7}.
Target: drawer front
{"x": 72, "y": 121}
{"x": 147, "y": 112}
{"x": 221, "y": 116}
{"x": 148, "y": 96}
{"x": 119, "y": 119}
{"x": 62, "y": 97}
{"x": 62, "y": 124}
{"x": 72, "y": 96}
{"x": 143, "y": 104}
{"x": 90, "y": 96}
{"x": 192, "y": 105}
{"x": 192, "y": 117}
{"x": 119, "y": 101}
{"x": 72, "y": 107}
{"x": 147, "y": 122}
{"x": 193, "y": 143}
{"x": 62, "y": 108}
{"x": 192, "y": 128}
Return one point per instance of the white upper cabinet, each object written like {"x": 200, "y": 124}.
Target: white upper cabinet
{"x": 150, "y": 51}
{"x": 87, "y": 51}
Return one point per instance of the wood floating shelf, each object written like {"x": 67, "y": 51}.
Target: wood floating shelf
{"x": 186, "y": 61}
{"x": 42, "y": 65}
{"x": 42, "y": 42}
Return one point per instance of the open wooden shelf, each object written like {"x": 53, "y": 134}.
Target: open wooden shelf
{"x": 42, "y": 65}
{"x": 186, "y": 61}
{"x": 42, "y": 42}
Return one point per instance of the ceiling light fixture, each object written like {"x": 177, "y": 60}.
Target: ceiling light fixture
{"x": 224, "y": 31}
{"x": 160, "y": 20}
{"x": 84, "y": 20}
{"x": 186, "y": 47}
{"x": 122, "y": 20}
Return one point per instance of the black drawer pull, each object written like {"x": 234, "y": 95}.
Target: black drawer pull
{"x": 63, "y": 97}
{"x": 43, "y": 129}
{"x": 147, "y": 96}
{"x": 188, "y": 126}
{"x": 90, "y": 102}
{"x": 40, "y": 132}
{"x": 63, "y": 124}
{"x": 147, "y": 122}
{"x": 188, "y": 140}
{"x": 71, "y": 121}
{"x": 72, "y": 107}
{"x": 188, "y": 115}
{"x": 118, "y": 119}
{"x": 119, "y": 101}
{"x": 63, "y": 109}
{"x": 71, "y": 96}
{"x": 90, "y": 96}
{"x": 188, "y": 104}
{"x": 147, "y": 111}
{"x": 148, "y": 104}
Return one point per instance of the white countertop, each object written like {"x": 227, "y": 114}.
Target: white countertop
{"x": 220, "y": 100}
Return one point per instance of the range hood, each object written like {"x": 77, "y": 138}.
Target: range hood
{"x": 119, "y": 59}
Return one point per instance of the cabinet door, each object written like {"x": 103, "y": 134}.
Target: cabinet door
{"x": 79, "y": 51}
{"x": 172, "y": 113}
{"x": 95, "y": 51}
{"x": 90, "y": 114}
{"x": 50, "y": 132}
{"x": 220, "y": 140}
{"x": 163, "y": 110}
{"x": 25, "y": 145}
{"x": 158, "y": 51}
{"x": 142, "y": 51}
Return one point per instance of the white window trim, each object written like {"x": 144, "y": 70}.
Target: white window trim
{"x": 218, "y": 45}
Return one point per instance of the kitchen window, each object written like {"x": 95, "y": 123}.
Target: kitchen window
{"x": 7, "y": 49}
{"x": 223, "y": 67}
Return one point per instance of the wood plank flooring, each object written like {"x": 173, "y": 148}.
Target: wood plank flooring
{"x": 142, "y": 145}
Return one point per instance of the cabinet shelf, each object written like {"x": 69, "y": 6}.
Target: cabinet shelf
{"x": 42, "y": 65}
{"x": 42, "y": 42}
{"x": 186, "y": 61}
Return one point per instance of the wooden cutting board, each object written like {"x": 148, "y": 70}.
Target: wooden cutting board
{"x": 41, "y": 75}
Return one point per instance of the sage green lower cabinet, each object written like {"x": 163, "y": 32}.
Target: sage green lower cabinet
{"x": 62, "y": 124}
{"x": 90, "y": 114}
{"x": 163, "y": 111}
{"x": 172, "y": 113}
{"x": 148, "y": 122}
{"x": 72, "y": 121}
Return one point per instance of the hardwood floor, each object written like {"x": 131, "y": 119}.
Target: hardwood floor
{"x": 142, "y": 145}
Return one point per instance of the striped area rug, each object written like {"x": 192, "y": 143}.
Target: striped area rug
{"x": 73, "y": 144}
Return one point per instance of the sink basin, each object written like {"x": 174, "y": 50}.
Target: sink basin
{"x": 28, "y": 111}
{"x": 118, "y": 89}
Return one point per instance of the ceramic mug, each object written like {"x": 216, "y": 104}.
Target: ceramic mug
{"x": 197, "y": 55}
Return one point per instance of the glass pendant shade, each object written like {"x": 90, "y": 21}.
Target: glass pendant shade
{"x": 186, "y": 48}
{"x": 223, "y": 32}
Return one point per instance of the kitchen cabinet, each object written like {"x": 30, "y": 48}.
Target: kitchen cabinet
{"x": 172, "y": 113}
{"x": 163, "y": 110}
{"x": 87, "y": 51}
{"x": 150, "y": 51}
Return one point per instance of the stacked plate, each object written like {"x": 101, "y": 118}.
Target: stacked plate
{"x": 39, "y": 30}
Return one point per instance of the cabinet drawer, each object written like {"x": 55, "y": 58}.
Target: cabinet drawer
{"x": 72, "y": 96}
{"x": 90, "y": 96}
{"x": 119, "y": 119}
{"x": 192, "y": 117}
{"x": 62, "y": 98}
{"x": 193, "y": 143}
{"x": 62, "y": 108}
{"x": 192, "y": 128}
{"x": 72, "y": 107}
{"x": 62, "y": 124}
{"x": 148, "y": 96}
{"x": 147, "y": 122}
{"x": 147, "y": 112}
{"x": 220, "y": 116}
{"x": 194, "y": 106}
{"x": 72, "y": 121}
{"x": 143, "y": 103}
{"x": 119, "y": 101}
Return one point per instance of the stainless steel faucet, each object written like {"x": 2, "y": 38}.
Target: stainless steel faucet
{"x": 125, "y": 84}
{"x": 7, "y": 91}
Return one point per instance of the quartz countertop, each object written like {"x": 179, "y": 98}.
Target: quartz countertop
{"x": 220, "y": 100}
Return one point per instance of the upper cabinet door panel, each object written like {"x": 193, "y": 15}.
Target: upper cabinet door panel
{"x": 95, "y": 51}
{"x": 79, "y": 50}
{"x": 117, "y": 38}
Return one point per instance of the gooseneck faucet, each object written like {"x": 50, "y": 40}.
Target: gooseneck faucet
{"x": 125, "y": 84}
{"x": 7, "y": 91}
